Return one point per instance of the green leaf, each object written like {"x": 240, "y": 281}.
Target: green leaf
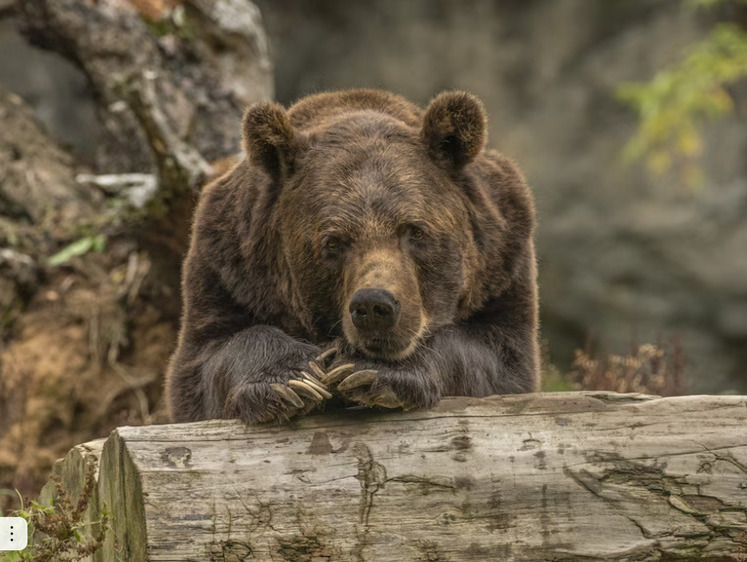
{"x": 675, "y": 104}
{"x": 78, "y": 248}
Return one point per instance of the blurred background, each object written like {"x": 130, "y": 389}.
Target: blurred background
{"x": 627, "y": 117}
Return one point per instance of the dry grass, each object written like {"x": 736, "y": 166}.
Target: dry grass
{"x": 649, "y": 369}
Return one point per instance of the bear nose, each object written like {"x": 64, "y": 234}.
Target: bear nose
{"x": 374, "y": 309}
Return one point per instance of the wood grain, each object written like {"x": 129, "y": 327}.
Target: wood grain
{"x": 556, "y": 476}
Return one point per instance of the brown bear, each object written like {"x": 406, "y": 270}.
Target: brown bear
{"x": 364, "y": 249}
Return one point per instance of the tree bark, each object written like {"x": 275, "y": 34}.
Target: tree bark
{"x": 554, "y": 476}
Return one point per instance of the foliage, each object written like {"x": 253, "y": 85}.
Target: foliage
{"x": 657, "y": 369}
{"x": 710, "y": 3}
{"x": 80, "y": 247}
{"x": 59, "y": 532}
{"x": 674, "y": 105}
{"x": 649, "y": 369}
{"x": 554, "y": 380}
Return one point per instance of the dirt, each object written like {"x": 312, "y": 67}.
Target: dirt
{"x": 82, "y": 361}
{"x": 83, "y": 345}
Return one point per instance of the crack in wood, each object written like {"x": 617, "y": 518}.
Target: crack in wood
{"x": 728, "y": 458}
{"x": 372, "y": 477}
{"x": 426, "y": 482}
{"x": 697, "y": 507}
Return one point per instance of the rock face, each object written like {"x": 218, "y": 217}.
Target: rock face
{"x": 624, "y": 257}
{"x": 84, "y": 340}
{"x": 208, "y": 60}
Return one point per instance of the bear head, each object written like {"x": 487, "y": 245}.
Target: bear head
{"x": 374, "y": 215}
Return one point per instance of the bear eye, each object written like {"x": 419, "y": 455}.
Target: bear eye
{"x": 332, "y": 244}
{"x": 415, "y": 232}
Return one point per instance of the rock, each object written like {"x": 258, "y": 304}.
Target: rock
{"x": 91, "y": 334}
{"x": 37, "y": 181}
{"x": 208, "y": 59}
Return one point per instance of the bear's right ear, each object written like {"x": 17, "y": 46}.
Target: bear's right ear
{"x": 269, "y": 139}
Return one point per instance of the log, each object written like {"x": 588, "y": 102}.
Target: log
{"x": 553, "y": 476}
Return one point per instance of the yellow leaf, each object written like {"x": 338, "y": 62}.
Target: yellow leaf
{"x": 689, "y": 143}
{"x": 659, "y": 161}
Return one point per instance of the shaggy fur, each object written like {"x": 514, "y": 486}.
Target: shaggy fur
{"x": 348, "y": 191}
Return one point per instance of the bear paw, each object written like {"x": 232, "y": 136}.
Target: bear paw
{"x": 301, "y": 395}
{"x": 295, "y": 392}
{"x": 386, "y": 388}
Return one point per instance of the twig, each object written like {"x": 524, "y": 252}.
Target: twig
{"x": 180, "y": 167}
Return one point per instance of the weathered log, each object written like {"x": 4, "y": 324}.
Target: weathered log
{"x": 569, "y": 476}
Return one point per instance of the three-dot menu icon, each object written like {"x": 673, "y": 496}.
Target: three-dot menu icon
{"x": 13, "y": 533}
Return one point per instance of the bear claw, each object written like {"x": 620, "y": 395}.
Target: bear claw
{"x": 316, "y": 370}
{"x": 357, "y": 379}
{"x": 316, "y": 385}
{"x": 323, "y": 357}
{"x": 309, "y": 378}
{"x": 306, "y": 388}
{"x": 287, "y": 395}
{"x": 338, "y": 373}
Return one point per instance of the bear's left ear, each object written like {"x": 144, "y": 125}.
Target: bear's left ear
{"x": 454, "y": 129}
{"x": 269, "y": 139}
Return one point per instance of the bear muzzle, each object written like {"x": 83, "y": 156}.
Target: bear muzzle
{"x": 377, "y": 325}
{"x": 374, "y": 310}
{"x": 383, "y": 316}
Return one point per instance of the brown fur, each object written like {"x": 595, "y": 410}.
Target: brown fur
{"x": 348, "y": 191}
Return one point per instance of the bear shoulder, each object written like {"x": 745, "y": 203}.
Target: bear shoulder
{"x": 508, "y": 190}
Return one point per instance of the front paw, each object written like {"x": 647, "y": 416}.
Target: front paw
{"x": 276, "y": 402}
{"x": 384, "y": 386}
{"x": 288, "y": 391}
